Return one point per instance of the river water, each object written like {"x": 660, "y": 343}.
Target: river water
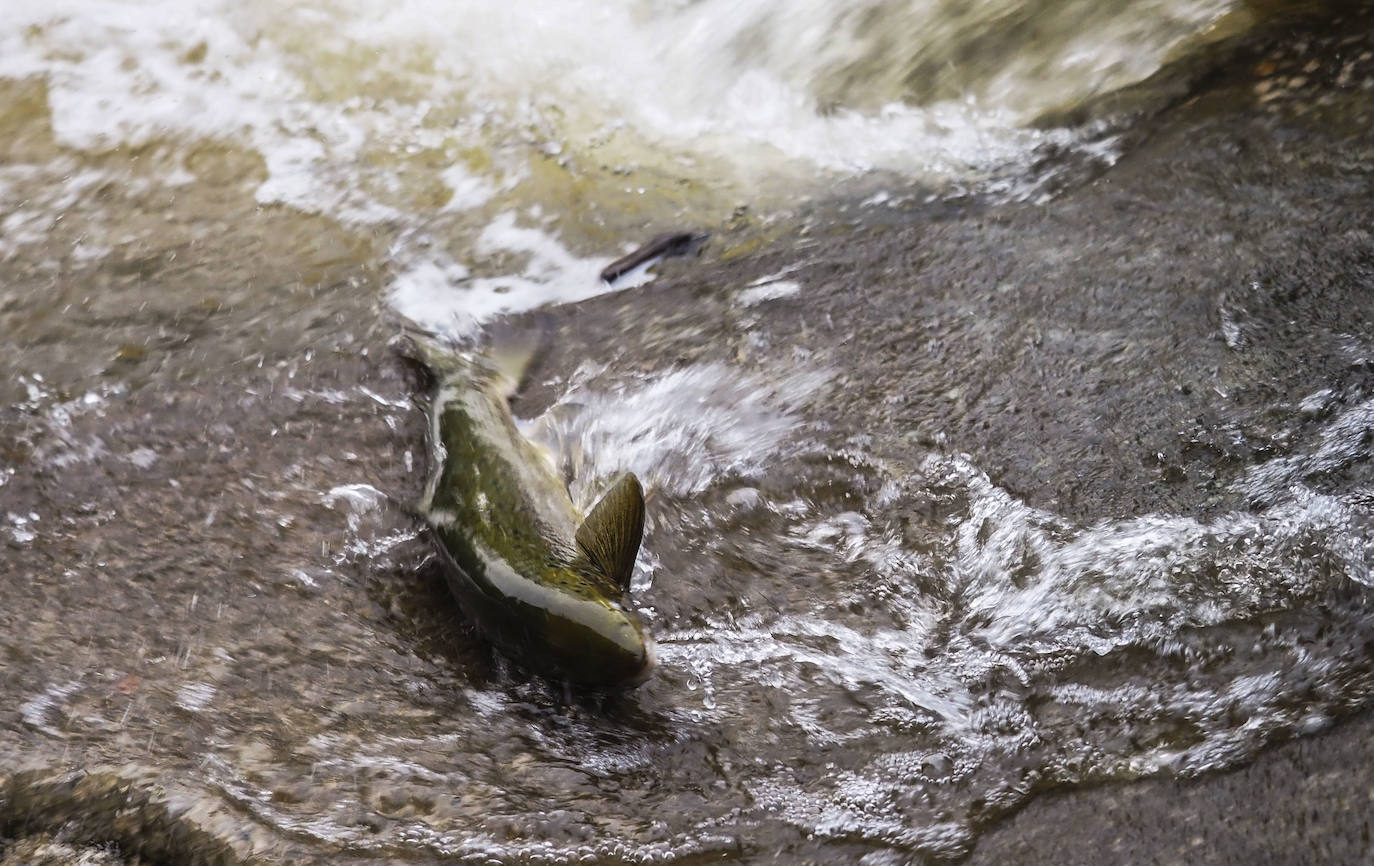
{"x": 876, "y": 635}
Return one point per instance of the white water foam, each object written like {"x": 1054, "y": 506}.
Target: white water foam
{"x": 323, "y": 89}
{"x": 678, "y": 432}
{"x": 360, "y": 109}
{"x": 1032, "y": 587}
{"x": 1028, "y": 602}
{"x": 444, "y": 296}
{"x": 768, "y": 290}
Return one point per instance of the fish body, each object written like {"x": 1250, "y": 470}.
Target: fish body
{"x": 549, "y": 589}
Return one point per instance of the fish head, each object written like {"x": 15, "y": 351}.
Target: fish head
{"x": 601, "y": 644}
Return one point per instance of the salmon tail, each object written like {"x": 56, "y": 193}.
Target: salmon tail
{"x": 512, "y": 350}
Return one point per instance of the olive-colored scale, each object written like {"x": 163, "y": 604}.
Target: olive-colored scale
{"x": 548, "y": 589}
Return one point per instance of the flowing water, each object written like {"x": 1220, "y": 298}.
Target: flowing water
{"x": 212, "y": 215}
{"x": 470, "y": 135}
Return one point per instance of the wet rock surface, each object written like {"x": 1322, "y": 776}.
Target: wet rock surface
{"x": 227, "y": 641}
{"x": 1306, "y": 802}
{"x": 1130, "y": 344}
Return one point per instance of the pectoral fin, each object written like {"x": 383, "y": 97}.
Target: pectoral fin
{"x": 610, "y": 535}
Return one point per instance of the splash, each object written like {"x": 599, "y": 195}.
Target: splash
{"x": 679, "y": 432}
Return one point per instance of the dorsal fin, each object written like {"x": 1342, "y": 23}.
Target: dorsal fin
{"x": 610, "y": 535}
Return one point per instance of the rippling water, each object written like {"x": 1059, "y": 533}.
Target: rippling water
{"x": 862, "y": 654}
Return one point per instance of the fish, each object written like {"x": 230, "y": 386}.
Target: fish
{"x": 548, "y": 587}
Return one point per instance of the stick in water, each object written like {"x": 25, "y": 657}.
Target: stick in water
{"x": 664, "y": 246}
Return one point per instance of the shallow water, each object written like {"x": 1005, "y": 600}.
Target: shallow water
{"x": 875, "y": 635}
